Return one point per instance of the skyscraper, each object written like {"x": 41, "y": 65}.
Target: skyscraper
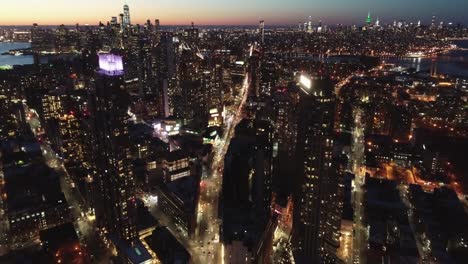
{"x": 126, "y": 17}
{"x": 113, "y": 21}
{"x": 115, "y": 196}
{"x": 314, "y": 227}
{"x": 156, "y": 25}
{"x": 262, "y": 31}
{"x": 121, "y": 21}
{"x": 285, "y": 102}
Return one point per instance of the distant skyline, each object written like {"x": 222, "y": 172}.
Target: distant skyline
{"x": 239, "y": 12}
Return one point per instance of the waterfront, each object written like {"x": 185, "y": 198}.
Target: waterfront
{"x": 14, "y": 60}
{"x": 452, "y": 63}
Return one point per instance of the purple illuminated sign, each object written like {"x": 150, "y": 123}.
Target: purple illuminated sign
{"x": 110, "y": 64}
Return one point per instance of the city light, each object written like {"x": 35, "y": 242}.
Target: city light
{"x": 110, "y": 63}
{"x": 250, "y": 142}
{"x": 305, "y": 83}
{"x": 153, "y": 199}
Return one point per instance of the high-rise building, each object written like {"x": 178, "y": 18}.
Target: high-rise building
{"x": 148, "y": 26}
{"x": 41, "y": 39}
{"x": 115, "y": 196}
{"x": 126, "y": 16}
{"x": 247, "y": 173}
{"x": 433, "y": 22}
{"x": 285, "y": 103}
{"x": 262, "y": 168}
{"x": 314, "y": 225}
{"x": 113, "y": 21}
{"x": 121, "y": 21}
{"x": 246, "y": 191}
{"x": 368, "y": 19}
{"x": 309, "y": 24}
{"x": 262, "y": 31}
{"x": 156, "y": 25}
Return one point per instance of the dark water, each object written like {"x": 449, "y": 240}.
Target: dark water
{"x": 453, "y": 63}
{"x": 14, "y": 60}
{"x": 26, "y": 59}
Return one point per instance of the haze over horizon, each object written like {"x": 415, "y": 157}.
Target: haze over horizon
{"x": 241, "y": 12}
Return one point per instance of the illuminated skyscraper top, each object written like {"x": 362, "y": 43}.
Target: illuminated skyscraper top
{"x": 110, "y": 64}
{"x": 115, "y": 202}
{"x": 126, "y": 18}
{"x": 368, "y": 19}
{"x": 317, "y": 216}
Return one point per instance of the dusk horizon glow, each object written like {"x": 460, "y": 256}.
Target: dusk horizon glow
{"x": 242, "y": 12}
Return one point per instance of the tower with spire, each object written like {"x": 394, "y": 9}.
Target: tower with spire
{"x": 126, "y": 16}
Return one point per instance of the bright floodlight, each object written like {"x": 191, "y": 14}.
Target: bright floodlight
{"x": 110, "y": 64}
{"x": 305, "y": 83}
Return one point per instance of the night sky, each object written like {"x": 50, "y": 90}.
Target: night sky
{"x": 232, "y": 12}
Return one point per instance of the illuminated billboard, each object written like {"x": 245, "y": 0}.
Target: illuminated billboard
{"x": 110, "y": 64}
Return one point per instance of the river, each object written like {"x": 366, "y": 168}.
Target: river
{"x": 11, "y": 59}
{"x": 452, "y": 63}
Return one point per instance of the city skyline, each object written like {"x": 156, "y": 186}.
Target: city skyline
{"x": 242, "y": 132}
{"x": 208, "y": 12}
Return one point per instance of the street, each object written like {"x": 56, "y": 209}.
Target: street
{"x": 83, "y": 222}
{"x": 207, "y": 245}
{"x": 358, "y": 168}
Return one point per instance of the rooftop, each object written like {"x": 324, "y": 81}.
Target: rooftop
{"x": 167, "y": 248}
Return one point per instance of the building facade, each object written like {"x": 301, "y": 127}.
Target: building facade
{"x": 116, "y": 204}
